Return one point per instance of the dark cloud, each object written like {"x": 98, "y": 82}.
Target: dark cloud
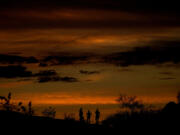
{"x": 88, "y": 72}
{"x": 160, "y": 52}
{"x": 68, "y": 79}
{"x": 94, "y": 21}
{"x": 44, "y": 79}
{"x": 42, "y": 64}
{"x": 10, "y": 72}
{"x": 24, "y": 79}
{"x": 151, "y": 53}
{"x": 167, "y": 78}
{"x": 39, "y": 14}
{"x": 125, "y": 70}
{"x": 14, "y": 72}
{"x": 52, "y": 76}
{"x": 66, "y": 59}
{"x": 46, "y": 73}
{"x": 166, "y": 73}
{"x": 128, "y": 5}
{"x": 156, "y": 53}
{"x": 15, "y": 59}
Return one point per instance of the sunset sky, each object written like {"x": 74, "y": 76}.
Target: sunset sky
{"x": 89, "y": 51}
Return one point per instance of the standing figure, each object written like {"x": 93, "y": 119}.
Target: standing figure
{"x": 89, "y": 117}
{"x": 97, "y": 113}
{"x": 81, "y": 116}
{"x": 30, "y": 110}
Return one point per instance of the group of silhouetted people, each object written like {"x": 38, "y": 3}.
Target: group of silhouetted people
{"x": 88, "y": 115}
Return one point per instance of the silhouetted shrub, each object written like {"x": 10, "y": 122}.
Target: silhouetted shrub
{"x": 5, "y": 101}
{"x": 70, "y": 116}
{"x": 130, "y": 102}
{"x": 49, "y": 112}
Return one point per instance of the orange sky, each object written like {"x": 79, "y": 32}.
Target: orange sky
{"x": 67, "y": 99}
{"x": 101, "y": 39}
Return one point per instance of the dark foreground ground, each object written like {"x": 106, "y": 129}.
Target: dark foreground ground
{"x": 166, "y": 120}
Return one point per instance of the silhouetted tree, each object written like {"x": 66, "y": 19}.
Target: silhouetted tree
{"x": 49, "y": 112}
{"x": 97, "y": 116}
{"x": 81, "y": 115}
{"x": 23, "y": 108}
{"x": 89, "y": 116}
{"x": 70, "y": 116}
{"x": 19, "y": 106}
{"x": 130, "y": 102}
{"x": 3, "y": 99}
{"x": 7, "y": 105}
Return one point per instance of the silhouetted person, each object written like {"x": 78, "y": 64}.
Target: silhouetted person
{"x": 81, "y": 116}
{"x": 30, "y": 111}
{"x": 9, "y": 98}
{"x": 89, "y": 117}
{"x": 97, "y": 113}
